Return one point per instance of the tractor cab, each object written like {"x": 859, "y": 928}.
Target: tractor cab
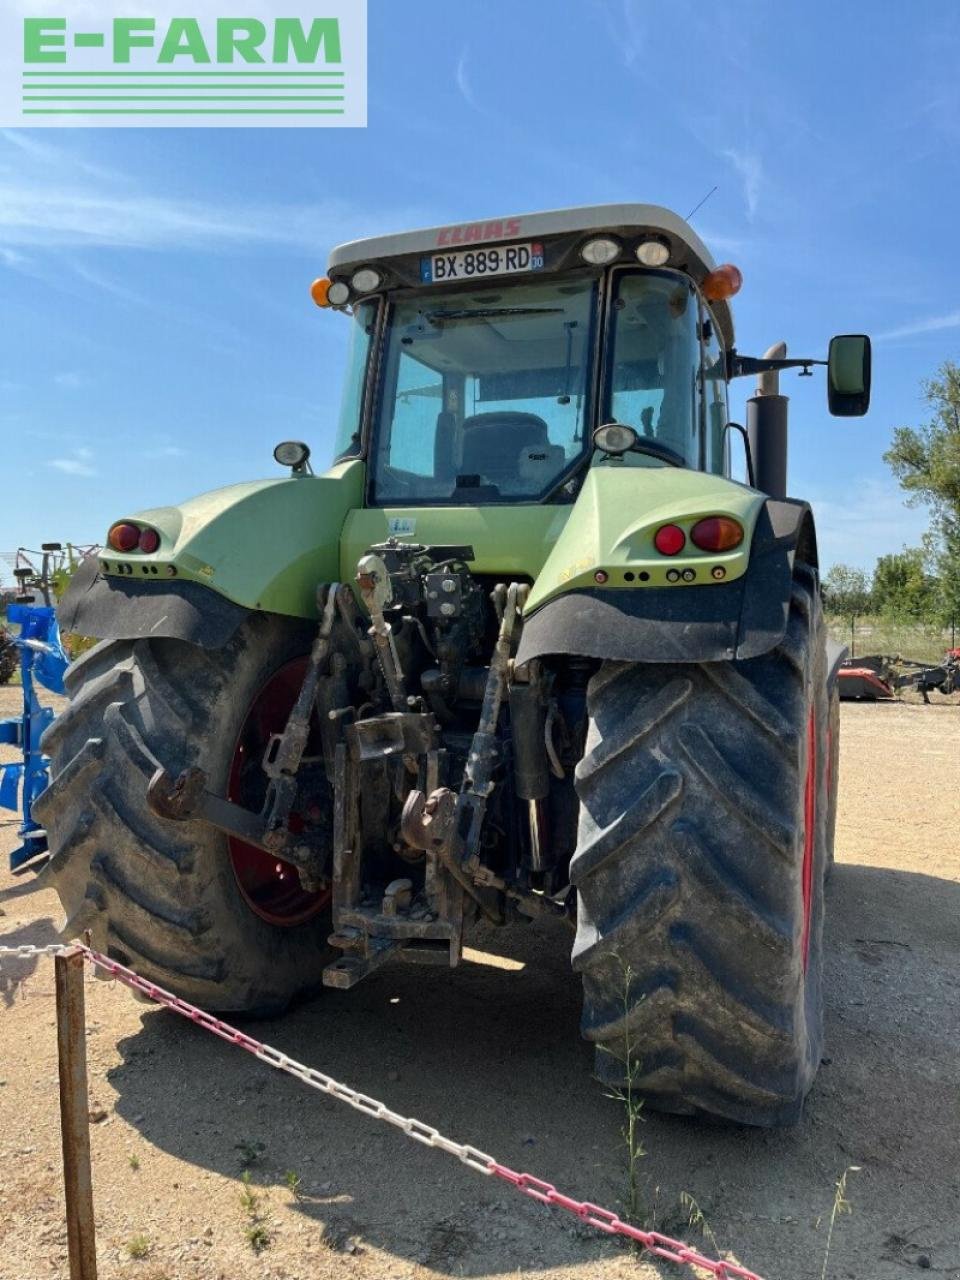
{"x": 485, "y": 356}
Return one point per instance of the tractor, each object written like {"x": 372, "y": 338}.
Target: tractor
{"x": 524, "y": 650}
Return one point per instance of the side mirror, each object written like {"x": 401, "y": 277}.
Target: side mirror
{"x": 848, "y": 375}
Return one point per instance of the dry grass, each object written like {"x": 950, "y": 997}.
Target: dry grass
{"x": 886, "y": 636}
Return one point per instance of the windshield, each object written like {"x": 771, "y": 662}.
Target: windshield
{"x": 485, "y": 395}
{"x": 654, "y": 369}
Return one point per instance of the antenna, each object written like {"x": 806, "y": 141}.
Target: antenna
{"x": 702, "y": 202}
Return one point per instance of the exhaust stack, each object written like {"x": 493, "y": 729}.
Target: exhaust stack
{"x": 767, "y": 428}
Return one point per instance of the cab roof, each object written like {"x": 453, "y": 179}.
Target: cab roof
{"x": 629, "y": 221}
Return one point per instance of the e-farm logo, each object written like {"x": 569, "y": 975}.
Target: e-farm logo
{"x": 162, "y": 67}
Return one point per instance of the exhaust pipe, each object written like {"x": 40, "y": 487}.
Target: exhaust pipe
{"x": 767, "y": 428}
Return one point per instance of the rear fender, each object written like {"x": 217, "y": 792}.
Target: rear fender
{"x": 257, "y": 547}
{"x": 630, "y": 612}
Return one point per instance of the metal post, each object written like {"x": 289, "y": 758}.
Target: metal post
{"x": 74, "y": 1115}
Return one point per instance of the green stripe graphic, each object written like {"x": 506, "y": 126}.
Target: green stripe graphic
{"x": 183, "y": 73}
{"x": 186, "y": 97}
{"x": 181, "y": 111}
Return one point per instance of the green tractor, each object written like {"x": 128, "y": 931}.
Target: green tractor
{"x": 524, "y": 650}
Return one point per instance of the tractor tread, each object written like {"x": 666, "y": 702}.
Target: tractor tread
{"x": 689, "y": 871}
{"x": 159, "y": 895}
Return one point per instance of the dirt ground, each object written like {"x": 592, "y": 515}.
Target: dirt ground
{"x": 490, "y": 1053}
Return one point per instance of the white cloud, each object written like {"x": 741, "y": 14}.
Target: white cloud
{"x": 625, "y": 29}
{"x": 933, "y": 324}
{"x": 48, "y": 199}
{"x": 72, "y": 381}
{"x": 78, "y": 464}
{"x": 870, "y": 520}
{"x": 463, "y": 82}
{"x": 749, "y": 166}
{"x": 166, "y": 451}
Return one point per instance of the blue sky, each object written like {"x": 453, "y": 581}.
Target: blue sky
{"x": 157, "y": 333}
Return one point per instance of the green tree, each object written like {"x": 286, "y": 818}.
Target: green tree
{"x": 926, "y": 461}
{"x": 848, "y": 595}
{"x": 902, "y": 588}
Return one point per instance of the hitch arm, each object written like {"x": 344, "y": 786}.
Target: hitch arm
{"x": 185, "y": 797}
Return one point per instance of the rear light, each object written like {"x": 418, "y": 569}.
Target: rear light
{"x": 716, "y": 533}
{"x": 124, "y": 537}
{"x": 670, "y": 540}
{"x": 149, "y": 541}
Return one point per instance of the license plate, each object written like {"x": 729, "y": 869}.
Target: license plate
{"x": 471, "y": 264}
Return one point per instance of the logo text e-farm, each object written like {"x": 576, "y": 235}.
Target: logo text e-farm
{"x": 262, "y": 68}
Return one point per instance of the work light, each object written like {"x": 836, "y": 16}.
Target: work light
{"x": 614, "y": 438}
{"x": 366, "y": 280}
{"x": 292, "y": 453}
{"x": 654, "y": 252}
{"x": 599, "y": 252}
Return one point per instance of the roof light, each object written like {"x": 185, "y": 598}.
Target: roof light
{"x": 319, "y": 292}
{"x": 366, "y": 280}
{"x": 124, "y": 537}
{"x": 654, "y": 252}
{"x": 717, "y": 533}
{"x": 292, "y": 453}
{"x": 670, "y": 540}
{"x": 722, "y": 283}
{"x": 338, "y": 295}
{"x": 601, "y": 251}
{"x": 614, "y": 438}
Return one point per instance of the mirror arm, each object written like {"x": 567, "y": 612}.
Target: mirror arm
{"x": 739, "y": 366}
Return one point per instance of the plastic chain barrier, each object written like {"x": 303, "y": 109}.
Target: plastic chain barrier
{"x": 592, "y": 1215}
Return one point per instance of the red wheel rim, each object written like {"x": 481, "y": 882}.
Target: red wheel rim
{"x": 809, "y": 832}
{"x": 271, "y": 887}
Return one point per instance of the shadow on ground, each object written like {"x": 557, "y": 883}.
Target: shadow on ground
{"x": 492, "y": 1056}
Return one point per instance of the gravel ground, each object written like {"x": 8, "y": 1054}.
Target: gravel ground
{"x": 490, "y": 1053}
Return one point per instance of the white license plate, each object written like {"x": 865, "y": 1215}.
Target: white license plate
{"x": 471, "y": 264}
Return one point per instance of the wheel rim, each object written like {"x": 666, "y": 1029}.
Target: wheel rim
{"x": 270, "y": 886}
{"x": 809, "y": 831}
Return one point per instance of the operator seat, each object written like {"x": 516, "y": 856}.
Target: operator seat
{"x": 492, "y": 443}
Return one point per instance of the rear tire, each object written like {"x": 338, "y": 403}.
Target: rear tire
{"x": 833, "y": 776}
{"x": 158, "y": 895}
{"x": 700, "y": 875}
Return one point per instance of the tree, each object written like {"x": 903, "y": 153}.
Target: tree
{"x": 902, "y": 588}
{"x": 848, "y": 594}
{"x": 926, "y": 461}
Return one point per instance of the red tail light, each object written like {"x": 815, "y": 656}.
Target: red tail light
{"x": 149, "y": 541}
{"x": 670, "y": 540}
{"x": 716, "y": 533}
{"x": 124, "y": 537}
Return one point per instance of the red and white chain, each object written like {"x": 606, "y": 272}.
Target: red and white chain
{"x": 592, "y": 1215}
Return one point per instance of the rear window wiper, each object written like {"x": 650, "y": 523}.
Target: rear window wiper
{"x": 477, "y": 313}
